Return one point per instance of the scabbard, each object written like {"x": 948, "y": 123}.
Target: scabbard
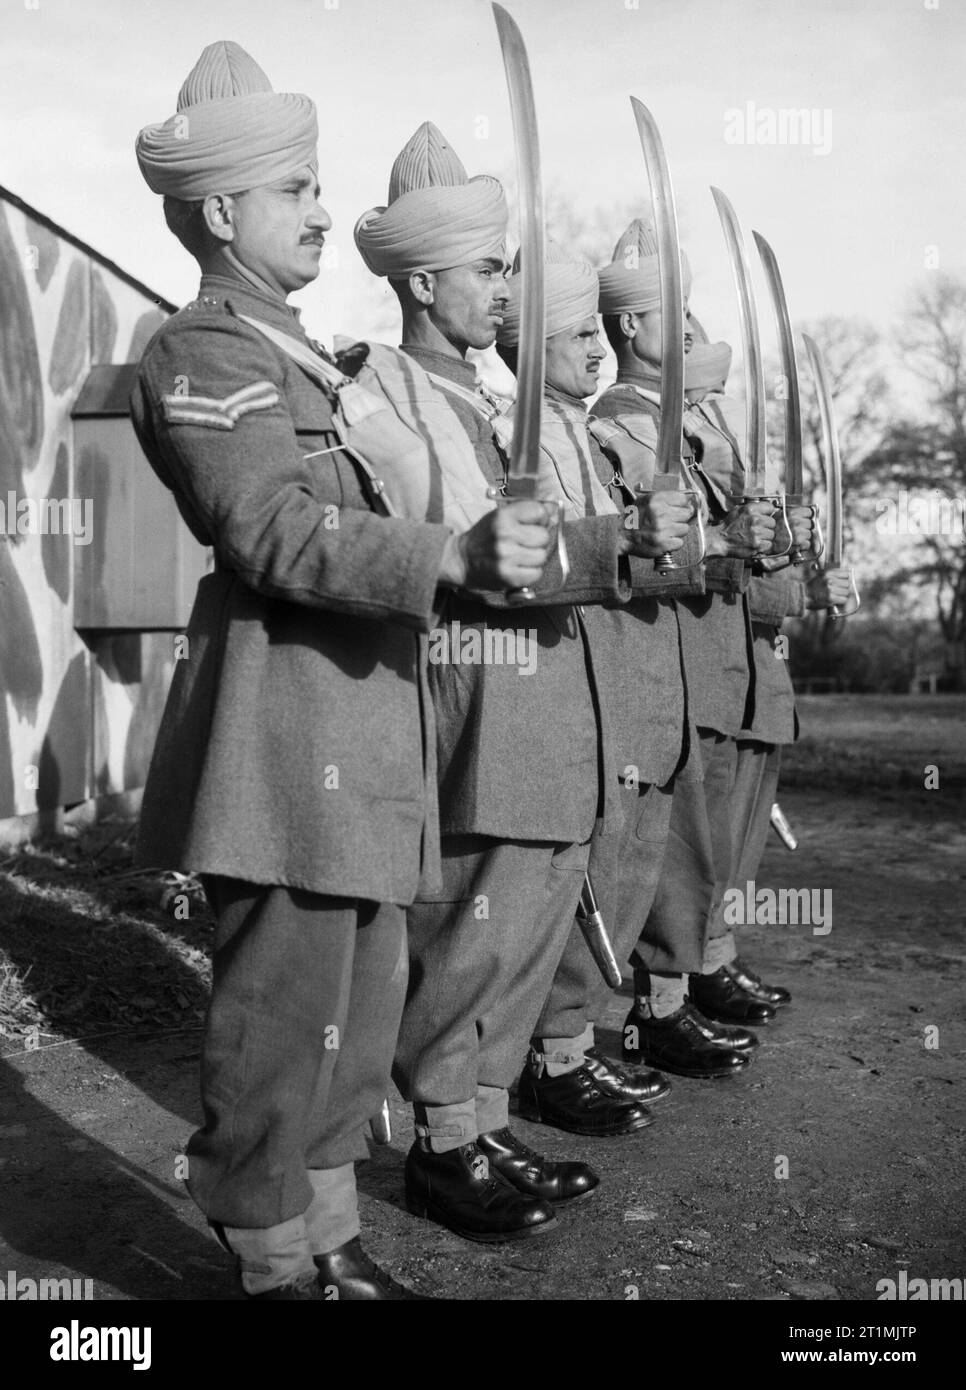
{"x": 381, "y": 1126}
{"x": 591, "y": 924}
{"x": 781, "y": 827}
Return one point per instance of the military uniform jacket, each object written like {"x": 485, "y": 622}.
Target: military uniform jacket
{"x": 521, "y": 757}
{"x": 637, "y": 647}
{"x": 715, "y": 629}
{"x": 772, "y": 597}
{"x": 296, "y": 745}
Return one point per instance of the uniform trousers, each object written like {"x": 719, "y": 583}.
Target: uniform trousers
{"x": 697, "y": 865}
{"x": 307, "y": 993}
{"x": 625, "y": 871}
{"x": 756, "y": 783}
{"x": 483, "y": 951}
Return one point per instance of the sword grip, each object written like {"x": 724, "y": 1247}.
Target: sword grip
{"x": 528, "y": 595}
{"x": 853, "y": 603}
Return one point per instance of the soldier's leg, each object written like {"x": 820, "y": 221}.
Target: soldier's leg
{"x": 664, "y": 1028}
{"x": 466, "y": 945}
{"x": 282, "y": 991}
{"x": 756, "y": 786}
{"x": 566, "y": 1081}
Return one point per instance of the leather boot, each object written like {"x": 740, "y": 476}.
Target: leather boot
{"x": 679, "y": 1043}
{"x": 458, "y": 1190}
{"x": 752, "y": 984}
{"x": 629, "y": 1083}
{"x": 358, "y": 1279}
{"x": 575, "y": 1102}
{"x": 719, "y": 996}
{"x": 531, "y": 1173}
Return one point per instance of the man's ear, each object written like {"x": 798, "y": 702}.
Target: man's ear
{"x": 628, "y": 324}
{"x": 218, "y": 211}
{"x": 422, "y": 287}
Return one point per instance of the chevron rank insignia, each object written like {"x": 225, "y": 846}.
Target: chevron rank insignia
{"x": 219, "y": 414}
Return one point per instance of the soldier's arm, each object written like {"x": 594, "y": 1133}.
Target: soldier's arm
{"x": 261, "y": 503}
{"x": 774, "y": 597}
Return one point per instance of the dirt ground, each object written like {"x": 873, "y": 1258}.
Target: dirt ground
{"x": 870, "y": 1119}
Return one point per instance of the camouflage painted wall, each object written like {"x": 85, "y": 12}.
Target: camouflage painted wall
{"x": 76, "y": 719}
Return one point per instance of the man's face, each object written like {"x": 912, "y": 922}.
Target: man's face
{"x": 468, "y": 302}
{"x": 574, "y": 358}
{"x": 648, "y": 340}
{"x": 279, "y": 231}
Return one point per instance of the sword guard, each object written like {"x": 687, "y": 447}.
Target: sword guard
{"x": 782, "y": 509}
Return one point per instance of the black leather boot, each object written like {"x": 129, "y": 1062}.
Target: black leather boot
{"x": 575, "y": 1102}
{"x": 458, "y": 1190}
{"x": 627, "y": 1082}
{"x": 719, "y": 996}
{"x": 531, "y": 1173}
{"x": 679, "y": 1043}
{"x": 752, "y": 984}
{"x": 358, "y": 1279}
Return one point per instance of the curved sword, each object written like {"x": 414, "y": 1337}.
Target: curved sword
{"x": 794, "y": 481}
{"x": 521, "y": 479}
{"x": 755, "y": 437}
{"x": 833, "y": 471}
{"x": 667, "y": 468}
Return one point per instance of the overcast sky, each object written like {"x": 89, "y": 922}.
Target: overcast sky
{"x": 850, "y": 211}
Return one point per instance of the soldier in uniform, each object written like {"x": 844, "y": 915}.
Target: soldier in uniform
{"x": 775, "y": 591}
{"x": 520, "y": 755}
{"x": 664, "y": 1028}
{"x": 637, "y": 651}
{"x": 293, "y": 768}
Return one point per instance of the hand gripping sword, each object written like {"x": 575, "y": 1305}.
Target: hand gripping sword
{"x": 833, "y": 475}
{"x": 525, "y": 447}
{"x": 521, "y": 480}
{"x": 667, "y": 467}
{"x": 755, "y": 435}
{"x": 793, "y": 402}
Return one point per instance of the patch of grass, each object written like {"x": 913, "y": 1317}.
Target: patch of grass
{"x": 872, "y": 743}
{"x": 86, "y": 945}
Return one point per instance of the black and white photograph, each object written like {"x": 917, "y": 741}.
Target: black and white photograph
{"x": 483, "y": 671}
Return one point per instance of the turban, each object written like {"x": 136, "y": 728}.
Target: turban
{"x": 706, "y": 367}
{"x": 231, "y": 131}
{"x": 632, "y": 283}
{"x": 571, "y": 291}
{"x": 437, "y": 218}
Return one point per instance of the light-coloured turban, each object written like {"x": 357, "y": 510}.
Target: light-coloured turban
{"x": 631, "y": 283}
{"x": 570, "y": 288}
{"x": 437, "y": 218}
{"x": 231, "y": 131}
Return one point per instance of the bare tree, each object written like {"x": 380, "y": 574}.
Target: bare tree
{"x": 916, "y": 475}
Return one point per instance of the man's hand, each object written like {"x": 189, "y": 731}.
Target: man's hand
{"x": 801, "y": 521}
{"x": 662, "y": 521}
{"x": 830, "y": 588}
{"x": 746, "y": 531}
{"x": 506, "y": 549}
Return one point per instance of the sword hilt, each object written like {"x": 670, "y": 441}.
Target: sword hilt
{"x": 666, "y": 563}
{"x": 852, "y": 604}
{"x": 526, "y": 594}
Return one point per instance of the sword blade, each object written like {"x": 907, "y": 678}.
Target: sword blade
{"x": 525, "y": 446}
{"x": 670, "y": 429}
{"x": 830, "y": 454}
{"x": 754, "y": 370}
{"x": 794, "y": 471}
